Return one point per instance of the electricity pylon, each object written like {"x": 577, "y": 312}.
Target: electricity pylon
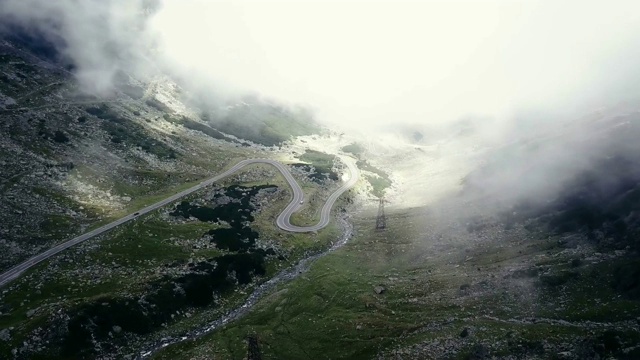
{"x": 381, "y": 220}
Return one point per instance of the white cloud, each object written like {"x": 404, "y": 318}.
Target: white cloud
{"x": 427, "y": 61}
{"x": 361, "y": 62}
{"x": 513, "y": 66}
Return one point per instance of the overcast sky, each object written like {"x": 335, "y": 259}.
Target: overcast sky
{"x": 427, "y": 61}
{"x": 362, "y": 62}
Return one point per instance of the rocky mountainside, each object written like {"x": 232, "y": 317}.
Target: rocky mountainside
{"x": 535, "y": 258}
{"x": 595, "y": 191}
{"x": 71, "y": 160}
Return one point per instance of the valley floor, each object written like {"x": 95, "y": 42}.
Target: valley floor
{"x": 432, "y": 287}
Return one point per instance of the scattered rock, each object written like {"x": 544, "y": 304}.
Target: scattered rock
{"x": 525, "y": 273}
{"x": 116, "y": 329}
{"x": 30, "y": 313}
{"x": 478, "y": 352}
{"x": 565, "y": 355}
{"x": 576, "y": 262}
{"x": 379, "y": 289}
{"x": 5, "y": 335}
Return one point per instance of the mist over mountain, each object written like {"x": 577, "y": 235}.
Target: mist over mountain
{"x": 428, "y": 63}
{"x": 496, "y": 212}
{"x": 545, "y": 87}
{"x": 96, "y": 39}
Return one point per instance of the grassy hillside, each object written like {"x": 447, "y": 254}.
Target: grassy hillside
{"x": 72, "y": 162}
{"x": 425, "y": 288}
{"x": 470, "y": 277}
{"x": 261, "y": 122}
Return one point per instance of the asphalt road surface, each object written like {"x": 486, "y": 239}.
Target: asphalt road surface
{"x": 283, "y": 221}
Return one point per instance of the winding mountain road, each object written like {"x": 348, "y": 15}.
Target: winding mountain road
{"x": 283, "y": 221}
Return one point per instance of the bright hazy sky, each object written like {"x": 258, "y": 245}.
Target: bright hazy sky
{"x": 361, "y": 62}
{"x": 419, "y": 61}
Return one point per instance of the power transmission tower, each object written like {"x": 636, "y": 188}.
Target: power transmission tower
{"x": 381, "y": 220}
{"x": 253, "y": 350}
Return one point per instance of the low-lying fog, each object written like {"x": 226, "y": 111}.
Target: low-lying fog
{"x": 450, "y": 79}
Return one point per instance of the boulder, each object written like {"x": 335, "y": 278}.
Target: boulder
{"x": 5, "y": 335}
